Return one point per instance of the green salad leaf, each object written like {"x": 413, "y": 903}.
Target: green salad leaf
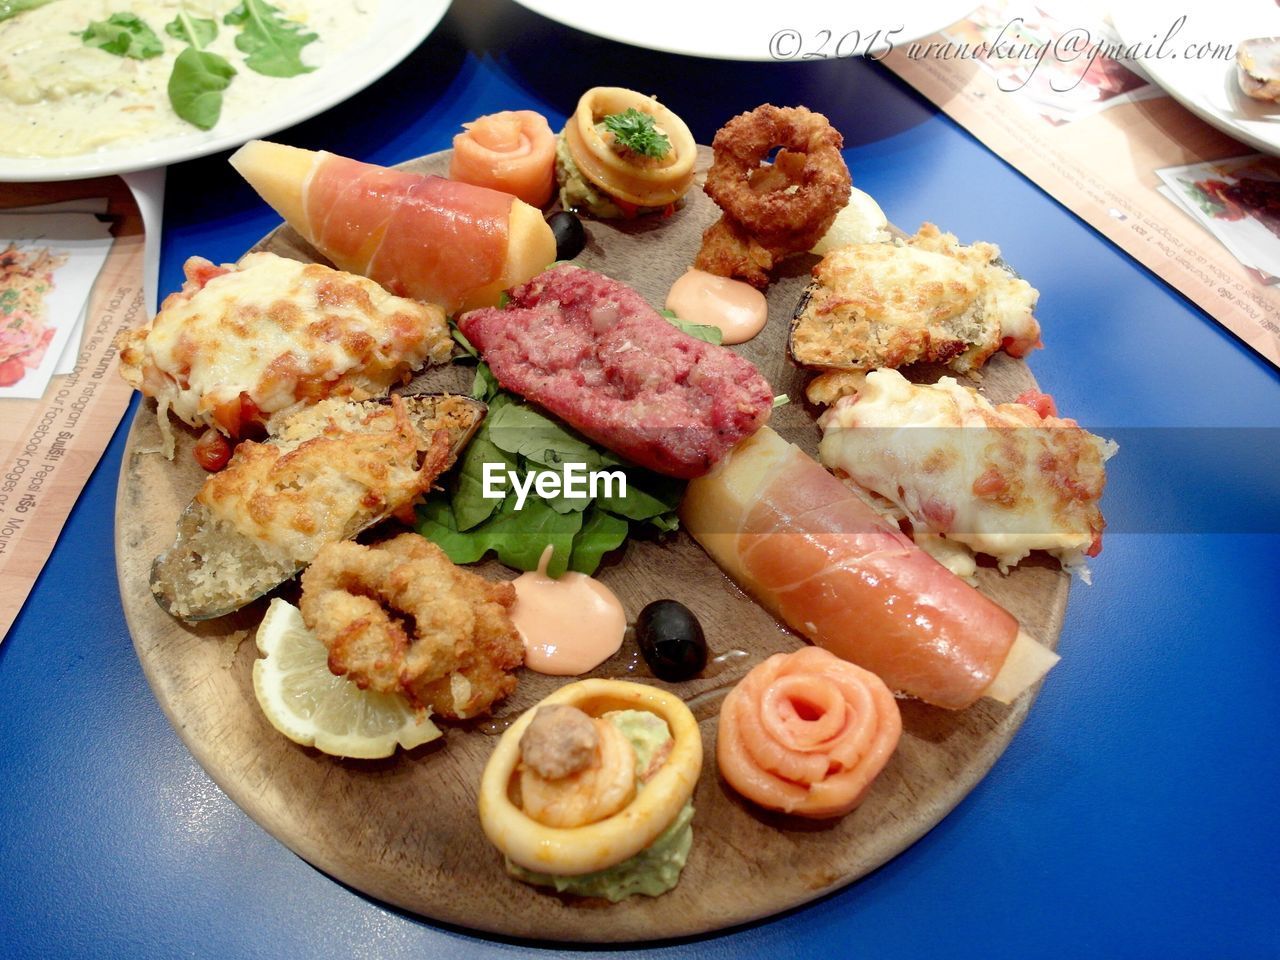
{"x": 272, "y": 44}
{"x": 125, "y": 35}
{"x": 196, "y": 85}
{"x": 196, "y": 31}
{"x": 523, "y": 440}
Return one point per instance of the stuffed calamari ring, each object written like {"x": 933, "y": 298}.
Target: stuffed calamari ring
{"x": 643, "y": 181}
{"x": 807, "y": 733}
{"x": 598, "y": 845}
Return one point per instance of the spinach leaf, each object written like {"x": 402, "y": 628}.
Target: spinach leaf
{"x": 521, "y": 430}
{"x": 649, "y": 495}
{"x": 273, "y": 44}
{"x": 196, "y": 31}
{"x": 196, "y": 85}
{"x": 470, "y": 506}
{"x": 601, "y": 532}
{"x": 517, "y": 537}
{"x": 125, "y": 35}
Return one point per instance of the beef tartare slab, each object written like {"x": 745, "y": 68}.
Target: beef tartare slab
{"x": 596, "y": 354}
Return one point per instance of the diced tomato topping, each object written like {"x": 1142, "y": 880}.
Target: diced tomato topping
{"x": 629, "y": 210}
{"x": 1095, "y": 548}
{"x": 200, "y": 275}
{"x": 1018, "y": 348}
{"x": 212, "y": 450}
{"x": 1041, "y": 403}
{"x": 234, "y": 415}
{"x": 249, "y": 411}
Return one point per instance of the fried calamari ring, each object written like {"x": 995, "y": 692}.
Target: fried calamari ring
{"x": 787, "y": 206}
{"x": 401, "y": 618}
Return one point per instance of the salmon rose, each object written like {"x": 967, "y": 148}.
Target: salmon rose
{"x": 807, "y": 733}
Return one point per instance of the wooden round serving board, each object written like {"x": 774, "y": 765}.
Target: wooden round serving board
{"x": 405, "y": 830}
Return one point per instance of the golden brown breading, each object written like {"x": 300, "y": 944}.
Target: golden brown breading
{"x": 292, "y": 497}
{"x": 772, "y": 210}
{"x": 400, "y": 617}
{"x": 728, "y": 251}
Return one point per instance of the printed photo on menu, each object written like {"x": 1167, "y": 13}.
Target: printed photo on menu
{"x": 48, "y": 264}
{"x": 1059, "y": 89}
{"x": 1238, "y": 202}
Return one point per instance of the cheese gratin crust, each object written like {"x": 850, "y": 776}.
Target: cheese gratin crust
{"x": 926, "y": 298}
{"x": 241, "y": 343}
{"x": 998, "y": 479}
{"x": 331, "y": 471}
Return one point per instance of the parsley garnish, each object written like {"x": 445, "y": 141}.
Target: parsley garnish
{"x": 637, "y": 132}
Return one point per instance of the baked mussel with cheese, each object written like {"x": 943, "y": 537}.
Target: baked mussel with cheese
{"x": 926, "y": 298}
{"x": 327, "y": 473}
{"x": 242, "y": 343}
{"x": 589, "y": 791}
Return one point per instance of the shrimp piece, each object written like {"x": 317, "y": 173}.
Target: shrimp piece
{"x": 566, "y": 780}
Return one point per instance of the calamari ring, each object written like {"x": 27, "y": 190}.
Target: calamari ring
{"x": 656, "y": 181}
{"x": 577, "y": 850}
{"x": 784, "y": 218}
{"x": 463, "y": 648}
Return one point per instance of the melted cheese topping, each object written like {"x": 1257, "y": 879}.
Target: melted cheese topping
{"x": 926, "y": 298}
{"x": 282, "y": 334}
{"x": 293, "y": 496}
{"x": 1008, "y": 483}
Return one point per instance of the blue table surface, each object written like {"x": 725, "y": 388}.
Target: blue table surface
{"x": 1132, "y": 816}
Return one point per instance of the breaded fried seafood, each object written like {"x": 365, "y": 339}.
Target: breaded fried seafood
{"x": 399, "y": 617}
{"x": 772, "y": 210}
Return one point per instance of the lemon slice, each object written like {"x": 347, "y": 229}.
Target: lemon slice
{"x": 311, "y": 706}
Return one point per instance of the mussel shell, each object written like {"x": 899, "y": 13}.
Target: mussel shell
{"x": 169, "y": 571}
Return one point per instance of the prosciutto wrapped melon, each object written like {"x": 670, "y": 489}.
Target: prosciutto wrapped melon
{"x": 811, "y": 551}
{"x": 418, "y": 235}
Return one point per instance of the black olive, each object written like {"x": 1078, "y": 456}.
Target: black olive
{"x": 569, "y": 234}
{"x": 671, "y": 640}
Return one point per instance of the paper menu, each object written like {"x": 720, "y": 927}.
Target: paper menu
{"x": 1107, "y": 158}
{"x": 50, "y": 444}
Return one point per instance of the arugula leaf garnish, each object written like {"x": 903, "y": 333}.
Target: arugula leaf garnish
{"x": 638, "y": 133}
{"x": 273, "y": 44}
{"x": 125, "y": 35}
{"x": 196, "y": 85}
{"x": 196, "y": 31}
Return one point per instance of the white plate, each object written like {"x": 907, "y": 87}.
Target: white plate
{"x": 1207, "y": 86}
{"x": 756, "y": 29}
{"x": 400, "y": 26}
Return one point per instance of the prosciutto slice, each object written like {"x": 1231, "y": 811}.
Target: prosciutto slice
{"x": 811, "y": 551}
{"x": 419, "y": 236}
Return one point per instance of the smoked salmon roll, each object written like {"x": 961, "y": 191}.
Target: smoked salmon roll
{"x": 513, "y": 151}
{"x": 807, "y": 733}
{"x": 830, "y": 567}
{"x": 420, "y": 236}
